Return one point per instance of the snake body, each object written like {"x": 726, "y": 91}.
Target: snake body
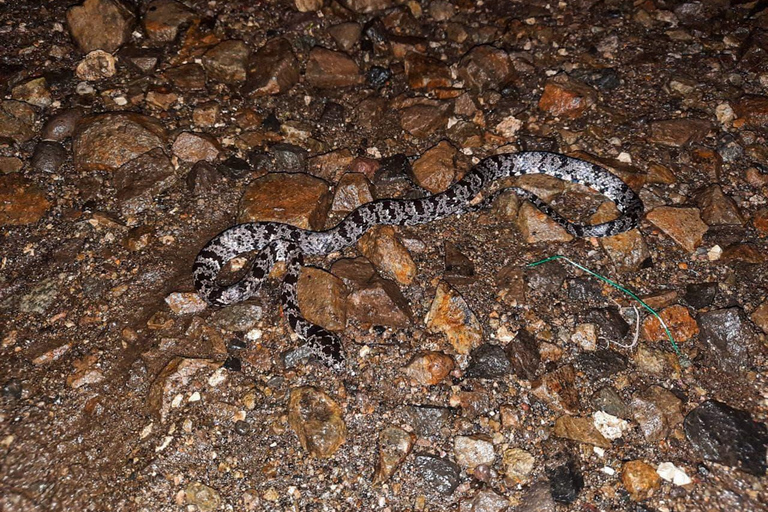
{"x": 275, "y": 241}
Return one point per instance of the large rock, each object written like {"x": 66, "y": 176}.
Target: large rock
{"x": 100, "y": 25}
{"x": 297, "y": 199}
{"x": 273, "y": 69}
{"x": 17, "y": 120}
{"x": 317, "y": 420}
{"x": 21, "y": 201}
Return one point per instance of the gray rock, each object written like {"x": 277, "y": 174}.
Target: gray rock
{"x": 441, "y": 475}
{"x": 728, "y": 337}
{"x": 48, "y": 156}
{"x": 488, "y": 362}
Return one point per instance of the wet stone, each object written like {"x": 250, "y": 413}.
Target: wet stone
{"x": 21, "y": 201}
{"x": 48, "y": 156}
{"x": 488, "y": 362}
{"x": 322, "y": 298}
{"x": 377, "y": 76}
{"x": 429, "y": 368}
{"x": 450, "y": 315}
{"x": 346, "y": 35}
{"x": 580, "y": 429}
{"x": 394, "y": 446}
{"x": 164, "y": 18}
{"x": 177, "y": 377}
{"x": 700, "y": 295}
{"x": 428, "y": 421}
{"x": 747, "y": 253}
{"x": 485, "y": 68}
{"x": 435, "y": 170}
{"x": 238, "y": 317}
{"x": 317, "y": 420}
{"x": 558, "y": 390}
{"x": 425, "y": 72}
{"x": 139, "y": 181}
{"x": 679, "y": 132}
{"x": 17, "y": 120}
{"x": 473, "y": 451}
{"x": 565, "y": 482}
{"x": 658, "y": 411}
{"x": 100, "y": 24}
{"x": 566, "y": 97}
{"x": 639, "y": 479}
{"x": 523, "y": 355}
{"x": 35, "y": 92}
{"x": 352, "y": 191}
{"x": 729, "y": 436}
{"x": 206, "y": 499}
{"x": 107, "y": 141}
{"x": 143, "y": 60}
{"x": 608, "y": 400}
{"x": 265, "y": 199}
{"x": 728, "y": 338}
{"x": 717, "y": 209}
{"x": 388, "y": 254}
{"x": 440, "y": 475}
{"x": 226, "y": 62}
{"x": 273, "y": 69}
{"x": 327, "y": 69}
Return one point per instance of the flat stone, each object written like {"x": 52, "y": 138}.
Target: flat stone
{"x": 679, "y": 132}
{"x": 193, "y": 147}
{"x": 353, "y": 190}
{"x": 273, "y": 69}
{"x": 450, "y": 315}
{"x": 17, "y": 120}
{"x": 425, "y": 72}
{"x": 753, "y": 110}
{"x": 384, "y": 249}
{"x": 717, "y": 209}
{"x": 346, "y": 35}
{"x": 317, "y": 420}
{"x": 580, "y": 429}
{"x": 518, "y": 465}
{"x": 306, "y": 206}
{"x": 21, "y": 201}
{"x": 485, "y": 500}
{"x": 473, "y": 451}
{"x": 332, "y": 165}
{"x": 97, "y": 65}
{"x": 760, "y": 316}
{"x": 323, "y": 298}
{"x": 536, "y": 226}
{"x": 701, "y": 295}
{"x": 639, "y": 479}
{"x": 429, "y": 368}
{"x": 486, "y": 67}
{"x": 105, "y": 142}
{"x": 164, "y": 18}
{"x": 627, "y": 250}
{"x": 35, "y": 92}
{"x": 440, "y": 475}
{"x": 186, "y": 303}
{"x": 327, "y": 69}
{"x": 379, "y": 302}
{"x": 683, "y": 225}
{"x": 365, "y": 6}
{"x": 100, "y": 25}
{"x": 679, "y": 321}
{"x": 728, "y": 337}
{"x": 566, "y": 97}
{"x": 558, "y": 390}
{"x": 601, "y": 364}
{"x": 429, "y": 421}
{"x": 606, "y": 399}
{"x": 227, "y": 62}
{"x": 435, "y": 170}
{"x": 729, "y": 436}
{"x": 657, "y": 411}
{"x": 537, "y": 498}
{"x": 523, "y": 355}
{"x": 423, "y": 120}
{"x": 394, "y": 446}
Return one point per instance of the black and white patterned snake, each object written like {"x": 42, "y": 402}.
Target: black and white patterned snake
{"x": 274, "y": 241}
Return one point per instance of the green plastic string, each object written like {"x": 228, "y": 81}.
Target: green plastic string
{"x": 680, "y": 356}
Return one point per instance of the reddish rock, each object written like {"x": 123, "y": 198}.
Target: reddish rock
{"x": 423, "y": 120}
{"x": 760, "y": 316}
{"x": 297, "y": 199}
{"x": 683, "y": 225}
{"x": 100, "y": 25}
{"x": 226, "y": 62}
{"x": 353, "y": 190}
{"x": 450, "y": 315}
{"x": 435, "y": 170}
{"x": 163, "y": 19}
{"x": 426, "y": 72}
{"x": 327, "y": 69}
{"x": 537, "y": 226}
{"x": 193, "y": 147}
{"x": 21, "y": 201}
{"x": 104, "y": 142}
{"x": 679, "y": 132}
{"x": 346, "y": 35}
{"x": 486, "y": 67}
{"x": 273, "y": 69}
{"x": 17, "y": 120}
{"x": 679, "y": 321}
{"x": 566, "y": 97}
{"x": 717, "y": 209}
{"x": 429, "y": 368}
{"x": 581, "y": 430}
{"x": 639, "y": 479}
{"x": 330, "y": 166}
{"x": 753, "y": 110}
{"x": 323, "y": 298}
{"x": 388, "y": 254}
{"x": 558, "y": 389}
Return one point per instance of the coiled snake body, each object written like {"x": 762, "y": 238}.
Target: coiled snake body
{"x": 275, "y": 241}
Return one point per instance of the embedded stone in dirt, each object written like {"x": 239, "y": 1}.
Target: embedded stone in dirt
{"x": 21, "y": 201}
{"x": 388, "y": 254}
{"x": 323, "y": 298}
{"x": 267, "y": 199}
{"x": 226, "y": 62}
{"x": 394, "y": 446}
{"x": 100, "y": 24}
{"x": 273, "y": 69}
{"x": 317, "y": 420}
{"x": 163, "y": 19}
{"x": 327, "y": 69}
{"x": 17, "y": 120}
{"x": 683, "y": 225}
{"x": 450, "y": 315}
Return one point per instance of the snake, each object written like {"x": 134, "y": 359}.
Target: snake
{"x": 274, "y": 241}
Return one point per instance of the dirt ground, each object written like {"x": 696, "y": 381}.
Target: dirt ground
{"x": 131, "y": 133}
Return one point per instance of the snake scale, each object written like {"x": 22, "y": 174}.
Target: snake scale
{"x": 274, "y": 241}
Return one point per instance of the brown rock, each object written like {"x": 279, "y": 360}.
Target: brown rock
{"x": 429, "y": 368}
{"x": 379, "y": 302}
{"x": 62, "y": 125}
{"x": 473, "y": 451}
{"x": 388, "y": 254}
{"x": 104, "y": 142}
{"x": 100, "y": 25}
{"x": 753, "y": 110}
{"x": 450, "y": 315}
{"x": 363, "y": 6}
{"x": 193, "y": 147}
{"x": 748, "y": 253}
{"x": 558, "y": 389}
{"x": 97, "y": 65}
{"x": 760, "y": 221}
{"x": 330, "y": 166}
{"x": 346, "y": 35}
{"x": 679, "y": 132}
{"x": 658, "y": 411}
{"x": 679, "y": 321}
{"x": 627, "y": 250}
{"x": 297, "y": 199}
{"x": 163, "y": 19}
{"x": 566, "y": 97}
{"x": 317, "y": 420}
{"x": 683, "y": 225}
{"x": 273, "y": 69}
{"x": 426, "y": 73}
{"x": 308, "y": 5}
{"x": 423, "y": 120}
{"x": 394, "y": 446}
{"x": 175, "y": 378}
{"x": 486, "y": 67}
{"x": 187, "y": 77}
{"x": 435, "y": 170}
{"x": 21, "y": 201}
{"x": 227, "y": 61}
{"x": 537, "y": 226}
{"x": 353, "y": 190}
{"x": 35, "y": 92}
{"x": 717, "y": 209}
{"x": 139, "y": 181}
{"x": 639, "y": 479}
{"x": 760, "y": 316}
{"x": 323, "y": 298}
{"x": 186, "y": 303}
{"x": 327, "y": 69}
{"x": 580, "y": 429}
{"x": 17, "y": 120}
{"x": 10, "y": 164}
{"x": 206, "y": 115}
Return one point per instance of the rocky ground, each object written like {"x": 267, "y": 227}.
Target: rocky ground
{"x": 131, "y": 133}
